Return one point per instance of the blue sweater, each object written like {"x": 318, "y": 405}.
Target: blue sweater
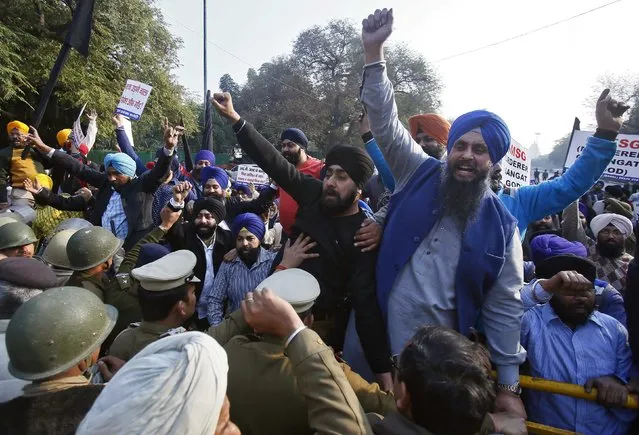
{"x": 531, "y": 203}
{"x": 380, "y": 163}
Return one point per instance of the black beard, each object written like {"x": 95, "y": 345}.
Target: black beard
{"x": 293, "y": 158}
{"x": 249, "y": 256}
{"x": 610, "y": 249}
{"x": 437, "y": 151}
{"x": 204, "y": 231}
{"x": 544, "y": 226}
{"x": 462, "y": 198}
{"x": 334, "y": 205}
{"x": 568, "y": 316}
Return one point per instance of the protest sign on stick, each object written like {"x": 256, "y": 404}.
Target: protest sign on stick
{"x": 133, "y": 99}
{"x": 624, "y": 166}
{"x": 252, "y": 174}
{"x": 515, "y": 166}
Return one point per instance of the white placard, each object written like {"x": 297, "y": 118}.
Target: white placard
{"x": 252, "y": 174}
{"x": 515, "y": 166}
{"x": 624, "y": 165}
{"x": 133, "y": 99}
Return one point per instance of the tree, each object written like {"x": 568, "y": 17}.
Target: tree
{"x": 623, "y": 87}
{"x": 227, "y": 84}
{"x": 130, "y": 41}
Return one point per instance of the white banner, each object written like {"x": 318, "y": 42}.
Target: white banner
{"x": 624, "y": 165}
{"x": 133, "y": 99}
{"x": 515, "y": 166}
{"x": 252, "y": 174}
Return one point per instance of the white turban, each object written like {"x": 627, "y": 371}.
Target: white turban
{"x": 601, "y": 221}
{"x": 175, "y": 385}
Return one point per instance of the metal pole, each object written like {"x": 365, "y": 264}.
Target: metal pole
{"x": 205, "y": 76}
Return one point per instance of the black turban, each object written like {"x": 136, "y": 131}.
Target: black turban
{"x": 212, "y": 205}
{"x": 561, "y": 263}
{"x": 353, "y": 160}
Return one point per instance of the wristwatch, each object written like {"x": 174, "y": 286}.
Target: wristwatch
{"x": 510, "y": 388}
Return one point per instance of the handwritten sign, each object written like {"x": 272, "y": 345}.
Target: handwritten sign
{"x": 515, "y": 166}
{"x": 624, "y": 165}
{"x": 252, "y": 174}
{"x": 133, "y": 99}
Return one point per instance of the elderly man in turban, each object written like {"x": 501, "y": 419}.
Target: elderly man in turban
{"x": 330, "y": 214}
{"x": 430, "y": 131}
{"x": 15, "y": 169}
{"x": 215, "y": 183}
{"x": 608, "y": 300}
{"x": 451, "y": 253}
{"x": 123, "y": 204}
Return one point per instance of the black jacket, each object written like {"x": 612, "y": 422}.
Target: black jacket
{"x": 345, "y": 274}
{"x": 137, "y": 195}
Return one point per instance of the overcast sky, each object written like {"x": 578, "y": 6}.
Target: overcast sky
{"x": 537, "y": 83}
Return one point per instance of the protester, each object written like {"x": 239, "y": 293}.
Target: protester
{"x": 205, "y": 238}
{"x": 54, "y": 344}
{"x": 569, "y": 341}
{"x": 294, "y": 146}
{"x": 430, "y": 131}
{"x": 423, "y": 275}
{"x": 17, "y": 240}
{"x": 167, "y": 298}
{"x": 607, "y": 299}
{"x": 13, "y": 167}
{"x": 21, "y": 279}
{"x": 123, "y": 204}
{"x": 251, "y": 266}
{"x": 330, "y": 214}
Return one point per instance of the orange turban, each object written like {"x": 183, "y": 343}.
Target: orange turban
{"x": 21, "y": 126}
{"x": 63, "y": 136}
{"x": 433, "y": 125}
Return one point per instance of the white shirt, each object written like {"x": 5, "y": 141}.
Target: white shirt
{"x": 209, "y": 278}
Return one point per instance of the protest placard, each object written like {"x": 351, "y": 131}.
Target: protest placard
{"x": 133, "y": 99}
{"x": 515, "y": 166}
{"x": 252, "y": 174}
{"x": 624, "y": 165}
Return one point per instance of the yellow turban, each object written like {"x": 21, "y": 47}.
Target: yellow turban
{"x": 63, "y": 136}
{"x": 44, "y": 180}
{"x": 21, "y": 126}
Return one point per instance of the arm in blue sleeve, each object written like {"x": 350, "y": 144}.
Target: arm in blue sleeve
{"x": 378, "y": 158}
{"x": 552, "y": 197}
{"x": 126, "y": 148}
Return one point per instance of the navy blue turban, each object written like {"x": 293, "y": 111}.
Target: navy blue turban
{"x": 218, "y": 174}
{"x": 295, "y": 135}
{"x": 151, "y": 252}
{"x": 550, "y": 245}
{"x": 493, "y": 129}
{"x": 205, "y": 155}
{"x": 242, "y": 188}
{"x": 252, "y": 222}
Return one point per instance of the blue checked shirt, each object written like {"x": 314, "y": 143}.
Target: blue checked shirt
{"x": 556, "y": 352}
{"x": 233, "y": 281}
{"x": 114, "y": 217}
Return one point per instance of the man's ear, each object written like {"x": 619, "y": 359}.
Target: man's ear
{"x": 402, "y": 399}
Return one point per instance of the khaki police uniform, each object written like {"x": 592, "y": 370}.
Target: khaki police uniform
{"x": 167, "y": 273}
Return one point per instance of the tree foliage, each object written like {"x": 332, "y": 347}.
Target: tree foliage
{"x": 316, "y": 86}
{"x": 130, "y": 40}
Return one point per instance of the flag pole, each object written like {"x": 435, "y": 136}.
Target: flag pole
{"x": 45, "y": 96}
{"x": 205, "y": 75}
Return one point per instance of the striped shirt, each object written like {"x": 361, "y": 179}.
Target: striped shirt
{"x": 114, "y": 217}
{"x": 233, "y": 281}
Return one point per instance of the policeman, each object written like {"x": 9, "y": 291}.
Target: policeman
{"x": 167, "y": 299}
{"x": 8, "y": 217}
{"x": 55, "y": 255}
{"x": 53, "y": 343}
{"x": 90, "y": 252}
{"x": 67, "y": 224}
{"x": 17, "y": 240}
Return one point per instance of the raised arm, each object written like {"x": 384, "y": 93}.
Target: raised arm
{"x": 302, "y": 188}
{"x": 125, "y": 144}
{"x": 553, "y": 196}
{"x": 153, "y": 179}
{"x": 401, "y": 152}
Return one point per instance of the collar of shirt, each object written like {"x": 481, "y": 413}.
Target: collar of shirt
{"x": 209, "y": 248}
{"x": 548, "y": 315}
{"x": 153, "y": 327}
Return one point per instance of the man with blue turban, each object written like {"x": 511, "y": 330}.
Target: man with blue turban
{"x": 251, "y": 266}
{"x": 451, "y": 253}
{"x": 123, "y": 204}
{"x": 215, "y": 183}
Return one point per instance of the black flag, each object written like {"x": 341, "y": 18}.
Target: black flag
{"x": 207, "y": 137}
{"x": 79, "y": 32}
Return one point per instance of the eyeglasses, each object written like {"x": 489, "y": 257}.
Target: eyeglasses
{"x": 608, "y": 231}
